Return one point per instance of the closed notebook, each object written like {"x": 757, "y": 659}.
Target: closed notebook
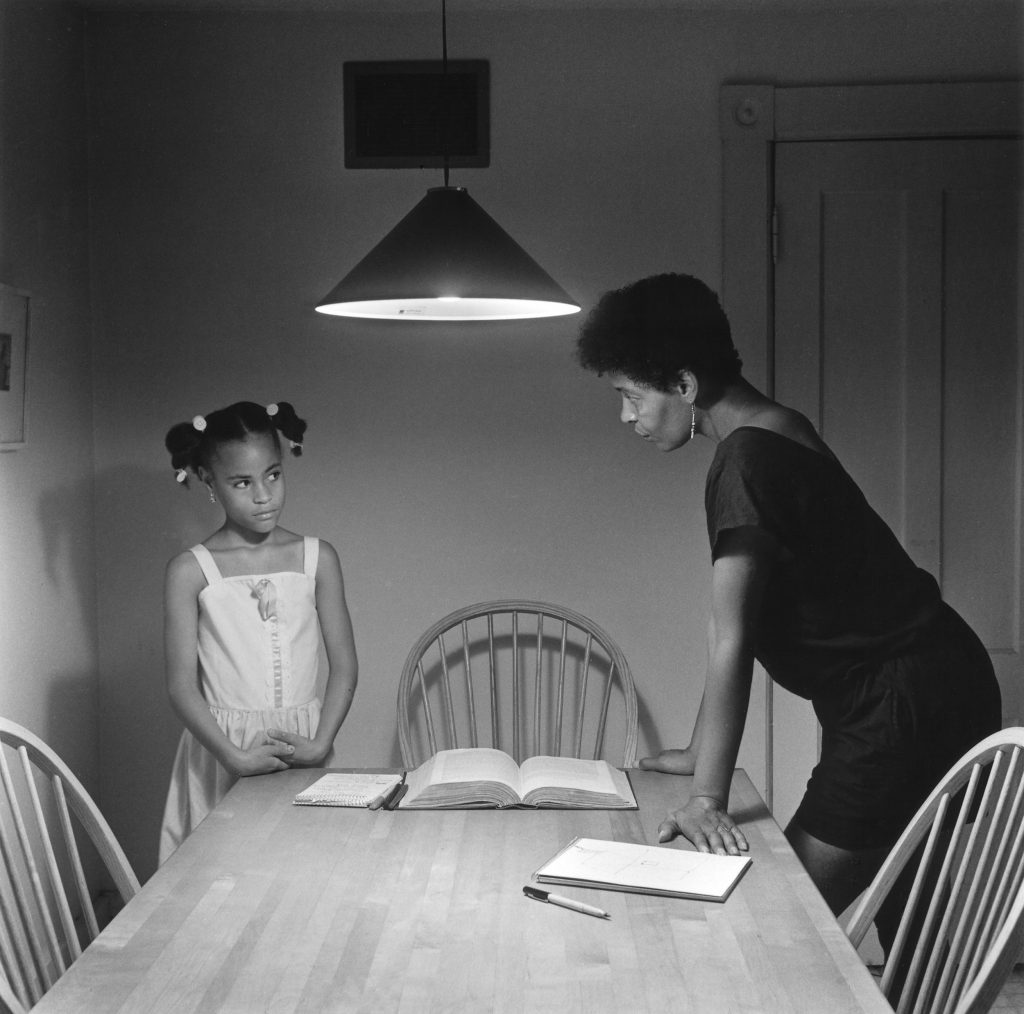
{"x": 644, "y": 869}
{"x": 340, "y": 788}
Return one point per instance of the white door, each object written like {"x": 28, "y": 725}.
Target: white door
{"x": 898, "y": 333}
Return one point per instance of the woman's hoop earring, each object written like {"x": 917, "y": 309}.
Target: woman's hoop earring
{"x": 693, "y": 420}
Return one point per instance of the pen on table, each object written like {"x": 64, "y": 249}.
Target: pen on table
{"x": 396, "y": 797}
{"x": 562, "y": 902}
{"x": 386, "y": 796}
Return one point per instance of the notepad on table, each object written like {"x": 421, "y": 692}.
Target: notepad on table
{"x": 342, "y": 788}
{"x": 478, "y": 777}
{"x": 644, "y": 869}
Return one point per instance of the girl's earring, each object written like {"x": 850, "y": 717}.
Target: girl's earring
{"x": 213, "y": 496}
{"x": 693, "y": 420}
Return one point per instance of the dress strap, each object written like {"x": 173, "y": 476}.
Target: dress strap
{"x": 310, "y": 554}
{"x": 206, "y": 561}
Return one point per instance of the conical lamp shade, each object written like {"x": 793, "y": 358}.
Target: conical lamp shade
{"x": 447, "y": 260}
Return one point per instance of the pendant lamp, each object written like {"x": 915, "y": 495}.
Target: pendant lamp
{"x": 447, "y": 260}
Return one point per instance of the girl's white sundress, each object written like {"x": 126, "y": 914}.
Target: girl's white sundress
{"x": 259, "y": 651}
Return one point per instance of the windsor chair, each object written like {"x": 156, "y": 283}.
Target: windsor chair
{"x": 52, "y": 836}
{"x": 530, "y": 678}
{"x": 963, "y": 925}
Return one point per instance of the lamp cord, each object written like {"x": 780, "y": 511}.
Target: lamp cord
{"x": 444, "y": 89}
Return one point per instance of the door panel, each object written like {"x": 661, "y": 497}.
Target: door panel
{"x": 980, "y": 420}
{"x": 898, "y": 333}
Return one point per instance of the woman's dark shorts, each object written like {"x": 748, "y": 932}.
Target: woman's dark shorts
{"x": 892, "y": 729}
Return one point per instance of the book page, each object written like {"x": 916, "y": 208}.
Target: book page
{"x": 474, "y": 764}
{"x": 565, "y": 772}
{"x": 645, "y": 868}
{"x": 440, "y": 777}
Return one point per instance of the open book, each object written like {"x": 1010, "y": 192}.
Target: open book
{"x": 644, "y": 869}
{"x": 481, "y": 777}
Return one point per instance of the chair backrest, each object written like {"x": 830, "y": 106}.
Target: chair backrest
{"x": 526, "y": 677}
{"x": 53, "y": 840}
{"x": 963, "y": 926}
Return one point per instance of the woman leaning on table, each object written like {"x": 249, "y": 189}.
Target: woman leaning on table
{"x": 807, "y": 579}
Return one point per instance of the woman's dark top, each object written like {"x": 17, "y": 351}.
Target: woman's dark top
{"x": 843, "y": 591}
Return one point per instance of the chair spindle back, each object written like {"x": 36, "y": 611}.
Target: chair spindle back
{"x": 53, "y": 843}
{"x": 963, "y": 925}
{"x": 526, "y": 677}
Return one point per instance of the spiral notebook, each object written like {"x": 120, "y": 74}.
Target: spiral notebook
{"x": 339, "y": 788}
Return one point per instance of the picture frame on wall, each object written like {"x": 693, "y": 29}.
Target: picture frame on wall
{"x": 14, "y": 317}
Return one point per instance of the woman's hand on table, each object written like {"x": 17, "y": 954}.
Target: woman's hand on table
{"x": 705, "y": 823}
{"x": 672, "y": 762}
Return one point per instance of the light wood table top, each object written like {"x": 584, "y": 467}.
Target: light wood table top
{"x": 274, "y": 907}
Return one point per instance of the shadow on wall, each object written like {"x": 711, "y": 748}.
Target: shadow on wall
{"x": 70, "y": 713}
{"x": 68, "y": 560}
{"x": 71, "y": 696}
{"x": 143, "y": 518}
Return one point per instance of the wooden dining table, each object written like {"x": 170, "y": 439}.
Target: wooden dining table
{"x": 271, "y": 907}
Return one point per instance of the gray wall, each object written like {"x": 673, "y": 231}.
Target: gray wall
{"x": 48, "y": 630}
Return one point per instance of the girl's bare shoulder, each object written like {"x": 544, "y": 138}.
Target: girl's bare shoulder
{"x": 183, "y": 561}
{"x": 183, "y": 571}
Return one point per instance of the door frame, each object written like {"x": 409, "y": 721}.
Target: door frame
{"x": 753, "y": 118}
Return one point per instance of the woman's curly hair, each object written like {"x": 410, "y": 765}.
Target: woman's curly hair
{"x": 192, "y": 444}
{"x": 653, "y": 329}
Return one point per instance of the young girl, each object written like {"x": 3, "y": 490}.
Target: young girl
{"x": 244, "y": 615}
